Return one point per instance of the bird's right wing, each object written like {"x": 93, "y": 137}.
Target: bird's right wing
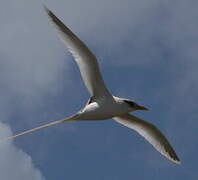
{"x": 150, "y": 133}
{"x": 72, "y": 118}
{"x": 85, "y": 59}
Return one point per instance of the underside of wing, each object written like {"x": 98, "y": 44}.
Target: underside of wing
{"x": 150, "y": 133}
{"x": 85, "y": 59}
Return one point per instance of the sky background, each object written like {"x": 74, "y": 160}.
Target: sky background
{"x": 147, "y": 50}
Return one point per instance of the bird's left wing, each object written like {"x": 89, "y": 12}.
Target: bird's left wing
{"x": 150, "y": 133}
{"x": 84, "y": 58}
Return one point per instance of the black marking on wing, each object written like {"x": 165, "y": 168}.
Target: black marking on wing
{"x": 90, "y": 100}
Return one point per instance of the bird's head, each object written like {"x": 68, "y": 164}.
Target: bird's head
{"x": 134, "y": 106}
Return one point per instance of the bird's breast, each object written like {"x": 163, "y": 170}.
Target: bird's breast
{"x": 97, "y": 111}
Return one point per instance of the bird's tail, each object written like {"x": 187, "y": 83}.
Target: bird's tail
{"x": 72, "y": 118}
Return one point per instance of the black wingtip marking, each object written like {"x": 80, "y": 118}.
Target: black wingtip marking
{"x": 46, "y": 9}
{"x": 173, "y": 156}
{"x": 49, "y": 12}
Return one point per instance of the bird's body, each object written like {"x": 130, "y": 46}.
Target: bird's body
{"x": 104, "y": 109}
{"x": 102, "y": 105}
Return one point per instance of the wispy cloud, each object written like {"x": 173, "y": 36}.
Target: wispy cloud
{"x": 15, "y": 163}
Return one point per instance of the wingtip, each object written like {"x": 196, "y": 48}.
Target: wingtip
{"x": 178, "y": 162}
{"x": 46, "y": 9}
{"x": 175, "y": 159}
{"x": 49, "y": 13}
{"x": 171, "y": 155}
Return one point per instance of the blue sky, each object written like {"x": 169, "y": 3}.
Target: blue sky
{"x": 152, "y": 44}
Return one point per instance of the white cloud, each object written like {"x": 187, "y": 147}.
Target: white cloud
{"x": 15, "y": 164}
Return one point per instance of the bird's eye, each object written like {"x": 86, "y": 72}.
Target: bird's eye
{"x": 131, "y": 103}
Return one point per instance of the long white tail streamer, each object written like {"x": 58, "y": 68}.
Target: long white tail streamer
{"x": 38, "y": 128}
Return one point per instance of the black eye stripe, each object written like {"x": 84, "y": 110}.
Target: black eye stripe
{"x": 131, "y": 103}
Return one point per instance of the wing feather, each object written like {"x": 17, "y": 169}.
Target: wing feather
{"x": 150, "y": 133}
{"x": 84, "y": 58}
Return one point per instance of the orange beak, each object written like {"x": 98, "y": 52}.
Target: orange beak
{"x": 142, "y": 108}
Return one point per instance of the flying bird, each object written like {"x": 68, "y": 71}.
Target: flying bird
{"x": 102, "y": 104}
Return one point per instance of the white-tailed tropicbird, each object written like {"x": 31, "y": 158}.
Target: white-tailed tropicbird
{"x": 102, "y": 105}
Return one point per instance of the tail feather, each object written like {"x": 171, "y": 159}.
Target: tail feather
{"x": 38, "y": 128}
